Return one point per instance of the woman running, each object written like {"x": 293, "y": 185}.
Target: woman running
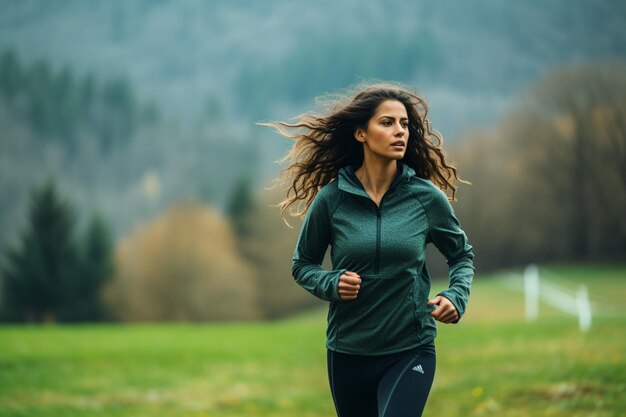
{"x": 371, "y": 175}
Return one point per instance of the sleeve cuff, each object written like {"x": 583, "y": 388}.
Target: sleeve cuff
{"x": 335, "y": 284}
{"x": 452, "y": 297}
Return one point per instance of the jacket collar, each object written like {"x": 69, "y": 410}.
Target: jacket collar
{"x": 349, "y": 182}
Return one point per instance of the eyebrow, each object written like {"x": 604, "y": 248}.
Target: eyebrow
{"x": 391, "y": 117}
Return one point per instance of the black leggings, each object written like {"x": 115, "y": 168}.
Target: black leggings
{"x": 393, "y": 385}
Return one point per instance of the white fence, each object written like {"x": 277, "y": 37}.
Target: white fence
{"x": 536, "y": 289}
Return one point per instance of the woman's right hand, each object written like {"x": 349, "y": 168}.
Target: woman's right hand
{"x": 349, "y": 284}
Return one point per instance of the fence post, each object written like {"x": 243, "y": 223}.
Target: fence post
{"x": 584, "y": 308}
{"x": 531, "y": 292}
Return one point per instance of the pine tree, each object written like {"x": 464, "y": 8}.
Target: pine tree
{"x": 38, "y": 273}
{"x": 10, "y": 74}
{"x": 241, "y": 206}
{"x": 96, "y": 267}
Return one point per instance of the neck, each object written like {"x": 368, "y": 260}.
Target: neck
{"x": 376, "y": 175}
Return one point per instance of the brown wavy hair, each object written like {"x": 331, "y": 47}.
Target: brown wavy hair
{"x": 325, "y": 142}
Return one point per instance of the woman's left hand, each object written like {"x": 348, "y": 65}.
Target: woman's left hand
{"x": 445, "y": 311}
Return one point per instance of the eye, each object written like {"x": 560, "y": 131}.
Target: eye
{"x": 386, "y": 123}
{"x": 405, "y": 124}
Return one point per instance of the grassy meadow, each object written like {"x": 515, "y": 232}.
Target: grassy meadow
{"x": 491, "y": 364}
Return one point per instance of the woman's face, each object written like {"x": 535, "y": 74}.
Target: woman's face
{"x": 387, "y": 131}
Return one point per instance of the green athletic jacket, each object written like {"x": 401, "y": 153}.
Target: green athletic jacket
{"x": 386, "y": 246}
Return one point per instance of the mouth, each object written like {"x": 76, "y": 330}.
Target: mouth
{"x": 398, "y": 144}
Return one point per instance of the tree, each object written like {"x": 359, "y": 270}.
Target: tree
{"x": 549, "y": 182}
{"x": 267, "y": 245}
{"x": 10, "y": 74}
{"x": 96, "y": 267}
{"x": 118, "y": 117}
{"x": 270, "y": 247}
{"x": 182, "y": 266}
{"x": 584, "y": 113}
{"x": 241, "y": 206}
{"x": 48, "y": 277}
{"x": 37, "y": 274}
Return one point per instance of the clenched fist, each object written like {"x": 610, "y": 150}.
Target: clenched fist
{"x": 349, "y": 284}
{"x": 445, "y": 311}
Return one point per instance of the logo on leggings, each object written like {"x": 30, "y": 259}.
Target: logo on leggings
{"x": 419, "y": 369}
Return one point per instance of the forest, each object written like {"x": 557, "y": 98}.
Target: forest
{"x": 547, "y": 184}
{"x": 136, "y": 125}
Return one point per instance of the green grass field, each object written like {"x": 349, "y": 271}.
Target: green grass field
{"x": 491, "y": 364}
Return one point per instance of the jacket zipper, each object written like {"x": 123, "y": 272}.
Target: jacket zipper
{"x": 378, "y": 233}
{"x": 377, "y": 258}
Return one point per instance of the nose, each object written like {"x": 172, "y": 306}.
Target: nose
{"x": 400, "y": 130}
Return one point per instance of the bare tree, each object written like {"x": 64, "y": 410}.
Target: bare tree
{"x": 182, "y": 266}
{"x": 550, "y": 182}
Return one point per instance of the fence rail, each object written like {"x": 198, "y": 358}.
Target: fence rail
{"x": 536, "y": 288}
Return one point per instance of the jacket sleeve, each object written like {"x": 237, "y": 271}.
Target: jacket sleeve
{"x": 445, "y": 232}
{"x": 313, "y": 241}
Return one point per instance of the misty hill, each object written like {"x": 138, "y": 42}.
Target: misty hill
{"x": 269, "y": 59}
{"x": 110, "y": 152}
{"x": 214, "y": 68}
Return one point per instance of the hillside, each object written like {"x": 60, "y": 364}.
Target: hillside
{"x": 215, "y": 68}
{"x": 270, "y": 58}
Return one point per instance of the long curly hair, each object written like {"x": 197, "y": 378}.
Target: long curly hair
{"x": 325, "y": 142}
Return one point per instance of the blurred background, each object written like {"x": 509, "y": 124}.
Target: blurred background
{"x": 134, "y": 180}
